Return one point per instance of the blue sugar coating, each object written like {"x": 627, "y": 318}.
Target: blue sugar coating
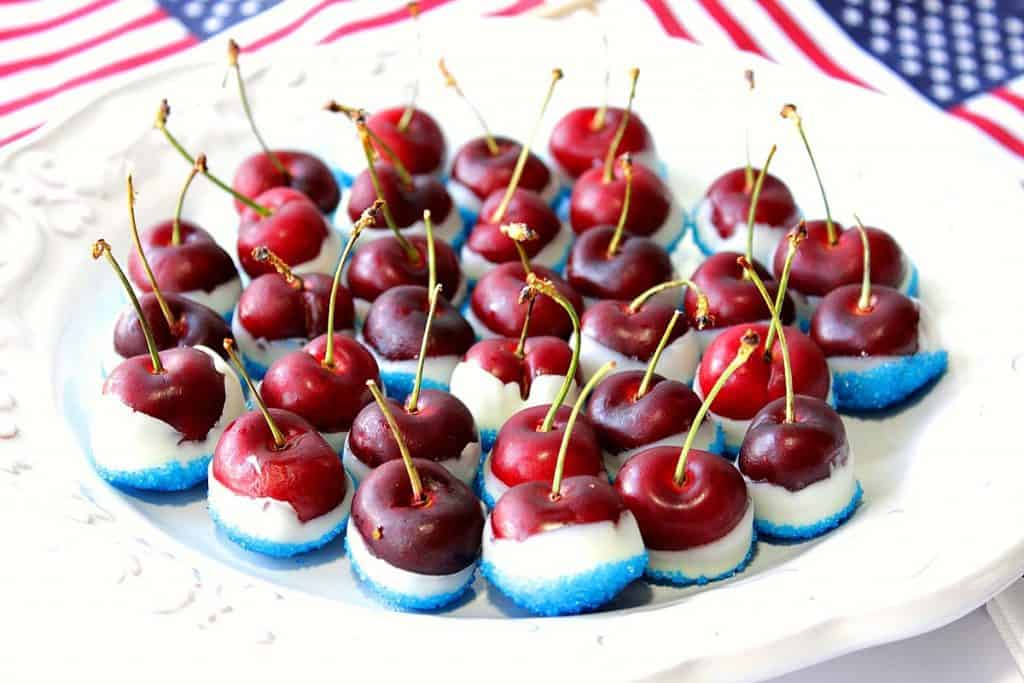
{"x": 228, "y": 316}
{"x": 342, "y": 177}
{"x": 568, "y": 594}
{"x": 405, "y": 602}
{"x": 914, "y": 285}
{"x": 674, "y": 242}
{"x": 255, "y": 369}
{"x": 469, "y": 216}
{"x": 888, "y": 384}
{"x": 561, "y": 206}
{"x": 678, "y": 578}
{"x": 481, "y": 488}
{"x": 399, "y": 384}
{"x": 487, "y": 439}
{"x": 788, "y": 532}
{"x": 719, "y": 446}
{"x": 173, "y": 476}
{"x": 691, "y": 220}
{"x": 273, "y": 548}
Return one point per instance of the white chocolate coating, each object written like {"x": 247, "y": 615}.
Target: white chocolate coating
{"x": 263, "y": 351}
{"x": 613, "y": 462}
{"x": 779, "y": 506}
{"x": 711, "y": 559}
{"x": 448, "y": 229}
{"x": 492, "y": 403}
{"x": 678, "y": 361}
{"x": 552, "y": 255}
{"x": 766, "y": 236}
{"x": 463, "y": 468}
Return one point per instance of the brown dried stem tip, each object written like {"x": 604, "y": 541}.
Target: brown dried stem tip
{"x": 265, "y": 255}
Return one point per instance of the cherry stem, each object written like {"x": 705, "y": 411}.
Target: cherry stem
{"x": 233, "y": 51}
{"x": 101, "y": 248}
{"x": 626, "y": 163}
{"x": 160, "y": 300}
{"x": 410, "y": 109}
{"x": 748, "y": 170}
{"x": 197, "y": 168}
{"x": 748, "y": 343}
{"x": 519, "y": 233}
{"x": 797, "y": 233}
{"x": 547, "y": 288}
{"x": 597, "y": 123}
{"x": 864, "y": 303}
{"x": 645, "y": 383}
{"x": 789, "y": 112}
{"x": 414, "y": 398}
{"x": 428, "y": 228}
{"x": 449, "y": 80}
{"x": 524, "y": 153}
{"x": 609, "y": 159}
{"x": 265, "y": 255}
{"x": 161, "y": 125}
{"x": 563, "y": 448}
{"x": 755, "y": 197}
{"x": 702, "y": 317}
{"x": 529, "y": 299}
{"x": 410, "y": 468}
{"x": 275, "y": 431}
{"x": 368, "y": 217}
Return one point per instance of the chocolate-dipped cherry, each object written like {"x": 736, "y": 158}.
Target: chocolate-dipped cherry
{"x": 281, "y": 312}
{"x": 628, "y": 332}
{"x": 415, "y": 533}
{"x": 832, "y": 255}
{"x": 325, "y": 382}
{"x": 488, "y": 245}
{"x": 878, "y": 342}
{"x": 567, "y": 547}
{"x": 280, "y": 168}
{"x": 281, "y": 219}
{"x": 692, "y": 506}
{"x": 155, "y": 424}
{"x": 186, "y": 260}
{"x": 276, "y": 487}
{"x": 499, "y": 377}
{"x": 485, "y": 165}
{"x": 634, "y": 410}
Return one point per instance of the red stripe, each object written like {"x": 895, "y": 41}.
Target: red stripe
{"x": 994, "y": 130}
{"x": 668, "y": 20}
{"x": 100, "y": 73}
{"x": 290, "y": 28}
{"x": 1010, "y": 97}
{"x": 516, "y": 8}
{"x": 43, "y": 60}
{"x": 19, "y": 135}
{"x": 392, "y": 17}
{"x": 802, "y": 40}
{"x": 727, "y": 21}
{"x": 28, "y": 29}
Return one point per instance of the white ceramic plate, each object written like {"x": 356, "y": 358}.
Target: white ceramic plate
{"x": 939, "y": 530}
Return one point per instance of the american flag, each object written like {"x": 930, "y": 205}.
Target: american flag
{"x": 963, "y": 56}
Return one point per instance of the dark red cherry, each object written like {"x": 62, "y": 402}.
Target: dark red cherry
{"x": 819, "y": 267}
{"x": 624, "y": 422}
{"x": 888, "y": 327}
{"x": 524, "y": 453}
{"x": 382, "y": 264}
{"x": 304, "y": 173}
{"x": 595, "y": 202}
{"x": 328, "y": 398}
{"x": 305, "y": 473}
{"x": 195, "y": 325}
{"x": 541, "y": 356}
{"x": 295, "y": 230}
{"x": 637, "y": 265}
{"x": 406, "y": 202}
{"x": 421, "y": 147}
{"x": 484, "y": 173}
{"x": 188, "y": 395}
{"x": 794, "y": 454}
{"x": 270, "y": 308}
{"x": 495, "y": 302}
{"x": 709, "y": 503}
{"x": 394, "y": 326}
{"x": 196, "y": 263}
{"x": 633, "y": 334}
{"x": 529, "y": 508}
{"x": 761, "y": 380}
{"x": 732, "y": 298}
{"x": 730, "y": 197}
{"x": 438, "y": 536}
{"x": 527, "y": 207}
{"x": 577, "y": 146}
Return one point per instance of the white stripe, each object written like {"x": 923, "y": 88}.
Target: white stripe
{"x": 1016, "y": 86}
{"x": 1003, "y": 113}
{"x": 700, "y": 24}
{"x": 28, "y": 13}
{"x": 769, "y": 36}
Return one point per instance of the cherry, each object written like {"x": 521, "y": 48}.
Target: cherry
{"x": 625, "y": 419}
{"x": 383, "y": 264}
{"x": 529, "y": 508}
{"x": 419, "y": 145}
{"x": 598, "y": 200}
{"x": 523, "y": 206}
{"x": 394, "y": 326}
{"x": 406, "y": 201}
{"x": 294, "y": 229}
{"x": 730, "y": 198}
{"x": 194, "y": 325}
{"x": 732, "y": 298}
{"x": 504, "y": 359}
{"x": 495, "y": 302}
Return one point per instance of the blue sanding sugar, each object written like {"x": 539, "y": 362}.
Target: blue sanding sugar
{"x": 487, "y": 438}
{"x": 889, "y": 383}
{"x": 681, "y": 578}
{"x": 173, "y": 476}
{"x": 789, "y": 532}
{"x": 399, "y": 384}
{"x": 275, "y": 548}
{"x": 255, "y": 369}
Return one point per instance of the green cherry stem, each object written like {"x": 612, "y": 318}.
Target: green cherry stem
{"x": 702, "y": 300}
{"x": 597, "y": 122}
{"x": 412, "y": 403}
{"x": 527, "y": 296}
{"x": 428, "y": 228}
{"x": 797, "y": 234}
{"x": 449, "y": 80}
{"x": 563, "y": 448}
{"x": 776, "y": 325}
{"x": 275, "y": 431}
{"x": 547, "y": 288}
{"x": 864, "y": 302}
{"x": 160, "y": 300}
{"x": 414, "y": 476}
{"x": 410, "y": 109}
{"x": 626, "y": 163}
{"x": 789, "y": 112}
{"x": 754, "y": 198}
{"x": 519, "y": 233}
{"x": 368, "y": 217}
{"x": 198, "y": 167}
{"x": 609, "y": 159}
{"x": 265, "y": 255}
{"x": 748, "y": 170}
{"x": 101, "y": 248}
{"x": 233, "y": 51}
{"x": 645, "y": 383}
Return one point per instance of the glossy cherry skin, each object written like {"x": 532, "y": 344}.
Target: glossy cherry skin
{"x": 295, "y": 230}
{"x": 637, "y": 265}
{"x": 305, "y": 173}
{"x": 794, "y": 454}
{"x": 394, "y": 326}
{"x": 541, "y": 356}
{"x": 196, "y": 263}
{"x": 441, "y": 535}
{"x": 732, "y": 298}
{"x": 328, "y": 398}
{"x": 623, "y": 421}
{"x": 709, "y": 503}
{"x": 633, "y": 334}
{"x": 529, "y": 508}
{"x": 495, "y": 302}
{"x": 484, "y": 173}
{"x": 270, "y": 308}
{"x": 524, "y": 453}
{"x": 188, "y": 395}
{"x": 595, "y": 202}
{"x": 439, "y": 429}
{"x": 195, "y": 325}
{"x": 406, "y": 202}
{"x": 577, "y": 146}
{"x": 527, "y": 207}
{"x": 730, "y": 198}
{"x": 382, "y": 264}
{"x": 888, "y": 327}
{"x": 819, "y": 267}
{"x": 421, "y": 147}
{"x": 760, "y": 380}
{"x": 305, "y": 473}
